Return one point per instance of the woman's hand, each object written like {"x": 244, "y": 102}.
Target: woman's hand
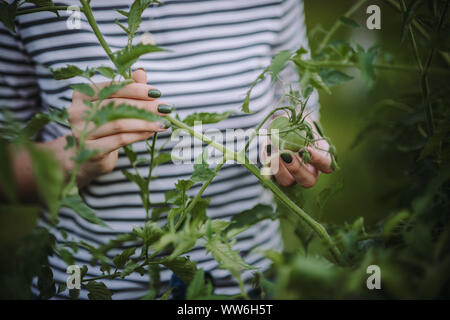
{"x": 292, "y": 169}
{"x": 108, "y": 138}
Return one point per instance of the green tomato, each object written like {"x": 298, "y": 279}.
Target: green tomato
{"x": 290, "y": 139}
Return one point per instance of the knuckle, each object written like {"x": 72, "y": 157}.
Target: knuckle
{"x": 118, "y": 126}
{"x": 122, "y": 140}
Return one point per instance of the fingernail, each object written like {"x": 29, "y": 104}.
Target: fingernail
{"x": 154, "y": 93}
{"x": 269, "y": 149}
{"x": 286, "y": 157}
{"x": 164, "y": 123}
{"x": 302, "y": 152}
{"x": 140, "y": 69}
{"x": 164, "y": 108}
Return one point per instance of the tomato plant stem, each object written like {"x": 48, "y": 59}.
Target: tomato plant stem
{"x": 90, "y": 17}
{"x": 239, "y": 157}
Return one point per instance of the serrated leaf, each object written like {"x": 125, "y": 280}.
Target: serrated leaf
{"x": 107, "y": 72}
{"x": 69, "y": 71}
{"x": 140, "y": 181}
{"x": 197, "y": 287}
{"x": 108, "y": 91}
{"x": 332, "y": 78}
{"x": 184, "y": 185}
{"x": 246, "y": 104}
{"x": 318, "y": 83}
{"x": 279, "y": 62}
{"x": 247, "y": 218}
{"x": 98, "y": 291}
{"x": 83, "y": 88}
{"x": 365, "y": 65}
{"x": 122, "y": 111}
{"x": 226, "y": 257}
{"x": 126, "y": 57}
{"x": 202, "y": 172}
{"x": 161, "y": 159}
{"x": 206, "y": 117}
{"x": 121, "y": 259}
{"x": 77, "y": 204}
{"x": 183, "y": 267}
{"x": 48, "y": 176}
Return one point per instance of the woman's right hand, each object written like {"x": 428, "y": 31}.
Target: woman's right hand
{"x": 108, "y": 138}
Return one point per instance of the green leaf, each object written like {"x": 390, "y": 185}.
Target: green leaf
{"x": 83, "y": 88}
{"x": 120, "y": 260}
{"x": 84, "y": 155}
{"x": 202, "y": 172}
{"x": 8, "y": 14}
{"x": 107, "y": 72}
{"x": 365, "y": 65}
{"x": 48, "y": 176}
{"x": 395, "y": 224}
{"x": 206, "y": 117}
{"x": 46, "y": 284}
{"x": 184, "y": 185}
{"x": 126, "y": 57}
{"x": 122, "y": 111}
{"x": 349, "y": 22}
{"x": 71, "y": 142}
{"x": 279, "y": 62}
{"x": 122, "y": 12}
{"x": 161, "y": 159}
{"x": 246, "y": 104}
{"x": 98, "y": 291}
{"x": 247, "y": 218}
{"x": 318, "y": 83}
{"x": 197, "y": 287}
{"x": 131, "y": 155}
{"x": 69, "y": 71}
{"x": 227, "y": 258}
{"x": 183, "y": 267}
{"x": 77, "y": 204}
{"x": 140, "y": 181}
{"x": 40, "y": 119}
{"x": 108, "y": 91}
{"x": 332, "y": 78}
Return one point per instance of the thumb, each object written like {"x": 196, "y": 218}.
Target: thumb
{"x": 140, "y": 76}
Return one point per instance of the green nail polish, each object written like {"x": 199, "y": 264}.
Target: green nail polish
{"x": 269, "y": 149}
{"x": 154, "y": 93}
{"x": 164, "y": 123}
{"x": 286, "y": 157}
{"x": 164, "y": 108}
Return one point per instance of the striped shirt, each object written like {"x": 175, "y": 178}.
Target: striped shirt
{"x": 217, "y": 48}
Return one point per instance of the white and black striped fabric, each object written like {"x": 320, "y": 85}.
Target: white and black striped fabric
{"x": 217, "y": 48}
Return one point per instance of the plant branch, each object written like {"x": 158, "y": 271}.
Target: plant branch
{"x": 228, "y": 154}
{"x": 337, "y": 24}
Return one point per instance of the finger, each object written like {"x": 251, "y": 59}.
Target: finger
{"x": 321, "y": 159}
{"x": 128, "y": 126}
{"x": 140, "y": 76}
{"x": 303, "y": 175}
{"x": 283, "y": 177}
{"x": 158, "y": 107}
{"x": 111, "y": 143}
{"x": 139, "y": 91}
